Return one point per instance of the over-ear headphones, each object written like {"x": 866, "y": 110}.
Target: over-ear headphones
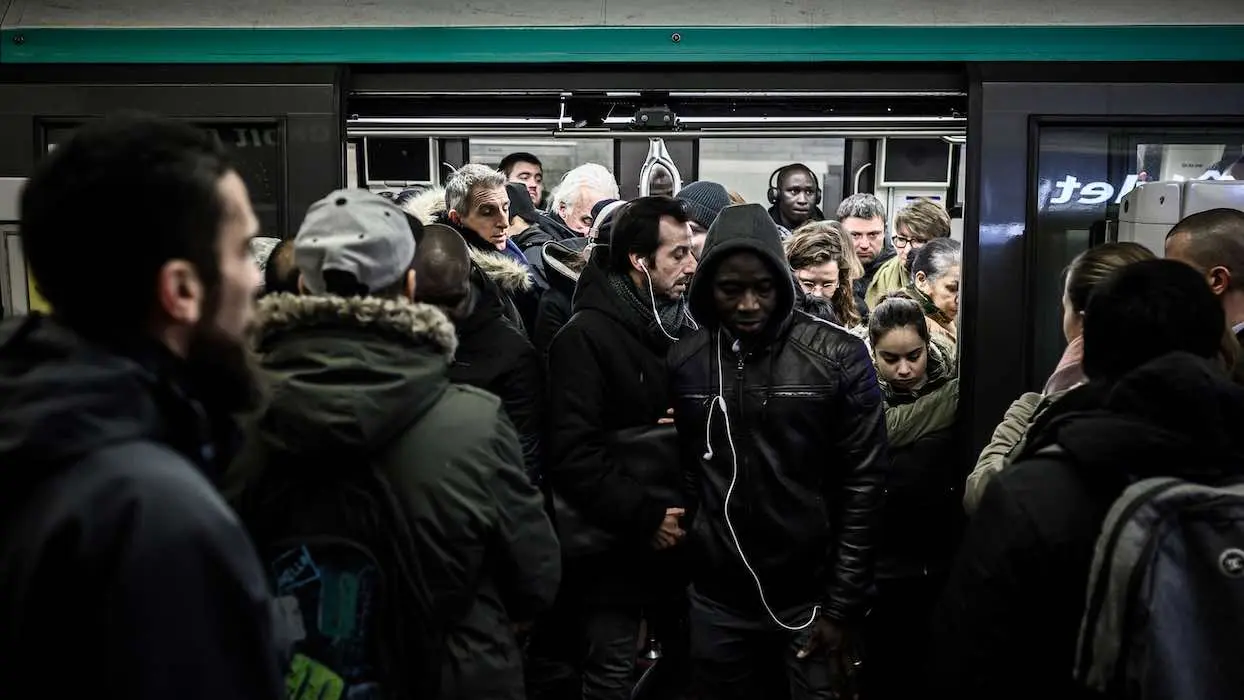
{"x": 775, "y": 191}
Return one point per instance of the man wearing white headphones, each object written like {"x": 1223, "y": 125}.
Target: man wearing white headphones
{"x": 783, "y": 443}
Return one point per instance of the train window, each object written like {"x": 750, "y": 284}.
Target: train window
{"x": 557, "y": 156}
{"x": 1082, "y": 173}
{"x": 745, "y": 165}
{"x": 398, "y": 160}
{"x": 257, "y": 151}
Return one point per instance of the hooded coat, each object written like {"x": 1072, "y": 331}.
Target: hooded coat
{"x": 1010, "y": 615}
{"x": 799, "y": 425}
{"x": 561, "y": 268}
{"x": 121, "y": 567}
{"x": 369, "y": 376}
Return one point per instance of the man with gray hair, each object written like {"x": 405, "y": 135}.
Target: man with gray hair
{"x": 570, "y": 213}
{"x": 863, "y": 218}
{"x": 477, "y": 205}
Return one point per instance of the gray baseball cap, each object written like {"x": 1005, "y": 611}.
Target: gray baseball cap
{"x": 357, "y": 232}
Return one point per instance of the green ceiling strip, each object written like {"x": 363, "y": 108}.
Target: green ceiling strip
{"x": 597, "y": 44}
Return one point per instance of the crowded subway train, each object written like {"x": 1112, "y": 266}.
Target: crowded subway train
{"x": 670, "y": 362}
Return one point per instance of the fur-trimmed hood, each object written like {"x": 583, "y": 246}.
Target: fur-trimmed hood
{"x": 421, "y": 323}
{"x": 349, "y": 373}
{"x": 507, "y": 273}
{"x": 427, "y": 206}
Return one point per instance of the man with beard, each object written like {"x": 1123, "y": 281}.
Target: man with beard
{"x": 614, "y": 511}
{"x": 863, "y": 219}
{"x": 121, "y": 567}
{"x": 783, "y": 443}
{"x": 360, "y": 383}
{"x": 493, "y": 354}
{"x": 794, "y": 193}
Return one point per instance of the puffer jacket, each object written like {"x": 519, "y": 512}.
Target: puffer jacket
{"x": 921, "y": 519}
{"x": 369, "y": 376}
{"x": 804, "y": 443}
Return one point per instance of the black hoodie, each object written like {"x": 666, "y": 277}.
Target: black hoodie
{"x": 1009, "y": 619}
{"x": 120, "y": 565}
{"x": 806, "y": 438}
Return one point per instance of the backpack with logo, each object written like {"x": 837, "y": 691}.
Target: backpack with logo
{"x": 352, "y": 606}
{"x": 1165, "y": 605}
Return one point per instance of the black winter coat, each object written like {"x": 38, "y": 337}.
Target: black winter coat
{"x": 1010, "y": 615}
{"x": 494, "y": 355}
{"x": 609, "y": 375}
{"x": 556, "y": 302}
{"x": 805, "y": 437}
{"x": 116, "y": 551}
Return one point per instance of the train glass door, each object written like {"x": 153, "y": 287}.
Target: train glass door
{"x": 1082, "y": 173}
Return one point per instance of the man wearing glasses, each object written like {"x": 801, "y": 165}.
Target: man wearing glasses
{"x": 914, "y": 225}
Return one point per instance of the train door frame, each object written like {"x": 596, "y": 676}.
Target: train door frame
{"x": 1003, "y": 102}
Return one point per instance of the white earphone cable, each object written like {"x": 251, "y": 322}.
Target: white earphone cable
{"x": 719, "y": 401}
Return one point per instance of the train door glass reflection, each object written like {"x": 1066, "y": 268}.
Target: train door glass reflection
{"x": 257, "y": 151}
{"x": 1082, "y": 173}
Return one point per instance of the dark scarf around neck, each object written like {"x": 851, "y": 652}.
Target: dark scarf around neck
{"x": 672, "y": 314}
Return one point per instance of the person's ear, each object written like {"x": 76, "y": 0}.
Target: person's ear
{"x": 180, "y": 292}
{"x": 410, "y": 285}
{"x": 1219, "y": 279}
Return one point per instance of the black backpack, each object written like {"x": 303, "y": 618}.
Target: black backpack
{"x": 1165, "y": 604}
{"x": 351, "y": 599}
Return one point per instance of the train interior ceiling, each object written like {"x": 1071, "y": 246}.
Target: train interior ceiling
{"x": 899, "y": 144}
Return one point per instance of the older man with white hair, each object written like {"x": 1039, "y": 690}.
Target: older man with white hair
{"x": 570, "y": 213}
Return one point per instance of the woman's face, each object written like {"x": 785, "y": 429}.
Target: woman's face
{"x": 1073, "y": 321}
{"x": 819, "y": 280}
{"x": 902, "y": 358}
{"x": 944, "y": 291}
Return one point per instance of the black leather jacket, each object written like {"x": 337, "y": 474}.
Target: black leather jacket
{"x": 807, "y": 438}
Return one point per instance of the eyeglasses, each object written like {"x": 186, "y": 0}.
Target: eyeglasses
{"x": 809, "y": 286}
{"x": 901, "y": 241}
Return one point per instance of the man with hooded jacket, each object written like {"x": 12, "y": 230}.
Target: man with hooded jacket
{"x": 783, "y": 438}
{"x": 360, "y": 379}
